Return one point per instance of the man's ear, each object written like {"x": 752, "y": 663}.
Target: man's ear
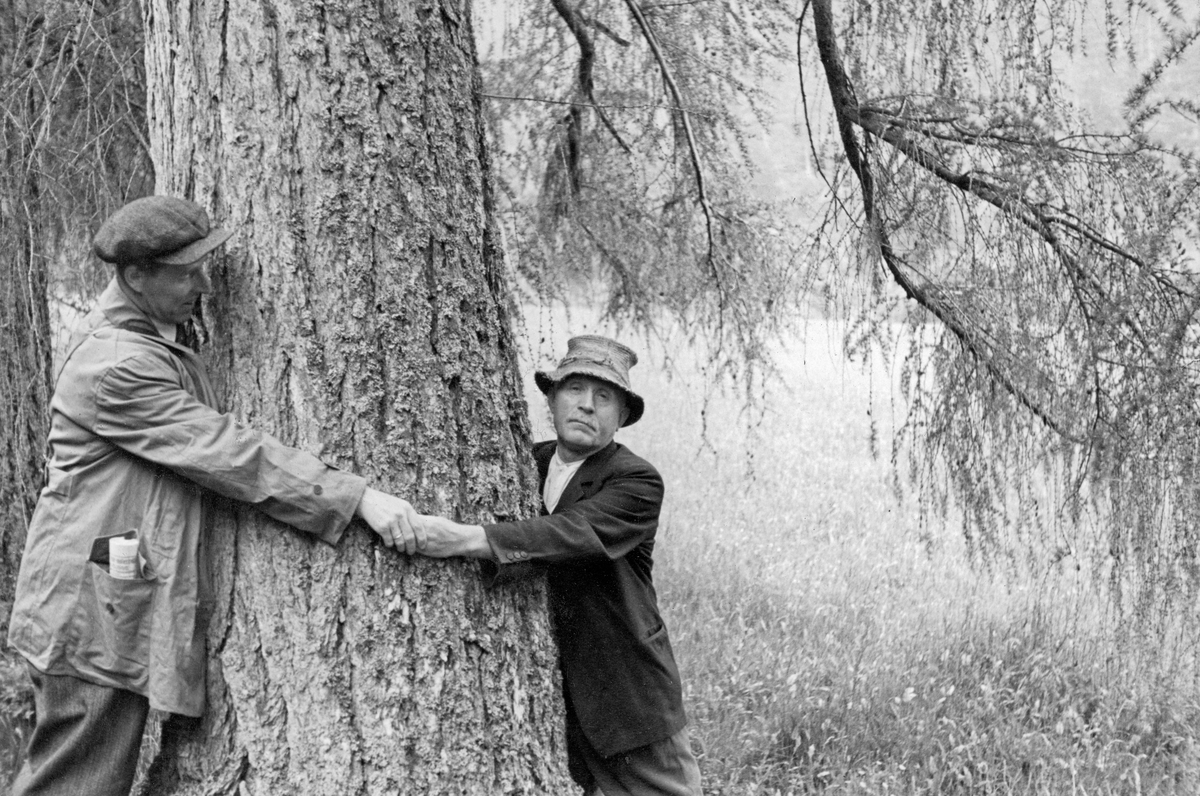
{"x": 134, "y": 276}
{"x": 624, "y": 415}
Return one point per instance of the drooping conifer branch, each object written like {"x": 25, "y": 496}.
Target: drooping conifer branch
{"x": 929, "y": 296}
{"x": 571, "y": 150}
{"x": 690, "y": 135}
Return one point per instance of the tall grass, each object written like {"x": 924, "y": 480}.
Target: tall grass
{"x": 830, "y": 644}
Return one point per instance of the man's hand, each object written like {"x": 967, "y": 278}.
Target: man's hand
{"x": 393, "y": 518}
{"x": 445, "y": 538}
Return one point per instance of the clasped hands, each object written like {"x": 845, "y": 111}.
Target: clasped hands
{"x": 401, "y": 526}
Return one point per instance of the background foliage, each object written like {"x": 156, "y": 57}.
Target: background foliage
{"x": 621, "y": 135}
{"x": 1018, "y": 243}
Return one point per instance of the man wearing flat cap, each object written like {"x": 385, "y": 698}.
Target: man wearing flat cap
{"x": 626, "y": 730}
{"x": 106, "y": 607}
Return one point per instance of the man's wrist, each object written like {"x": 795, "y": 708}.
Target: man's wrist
{"x": 366, "y": 501}
{"x": 475, "y": 542}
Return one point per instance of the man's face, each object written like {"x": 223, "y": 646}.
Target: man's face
{"x": 587, "y": 413}
{"x": 168, "y": 293}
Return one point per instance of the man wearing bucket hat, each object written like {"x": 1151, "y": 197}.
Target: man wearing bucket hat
{"x": 135, "y": 443}
{"x": 626, "y": 727}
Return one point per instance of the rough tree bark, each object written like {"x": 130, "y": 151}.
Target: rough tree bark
{"x": 360, "y": 312}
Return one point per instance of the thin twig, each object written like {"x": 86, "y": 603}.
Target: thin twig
{"x": 587, "y": 59}
{"x": 812, "y": 144}
{"x": 693, "y": 148}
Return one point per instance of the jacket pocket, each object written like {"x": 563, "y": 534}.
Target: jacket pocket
{"x": 121, "y": 616}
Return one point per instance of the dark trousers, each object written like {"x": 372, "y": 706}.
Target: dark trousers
{"x": 85, "y": 740}
{"x": 663, "y": 768}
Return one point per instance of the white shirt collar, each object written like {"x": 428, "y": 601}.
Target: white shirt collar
{"x": 558, "y": 476}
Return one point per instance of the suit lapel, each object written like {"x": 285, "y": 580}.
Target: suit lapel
{"x": 580, "y": 485}
{"x": 543, "y": 452}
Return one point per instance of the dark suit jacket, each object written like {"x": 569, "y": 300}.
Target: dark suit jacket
{"x": 619, "y": 675}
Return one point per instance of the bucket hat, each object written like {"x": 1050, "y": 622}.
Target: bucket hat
{"x": 158, "y": 229}
{"x": 600, "y": 358}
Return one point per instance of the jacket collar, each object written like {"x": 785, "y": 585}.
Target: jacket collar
{"x": 577, "y": 488}
{"x": 116, "y": 309}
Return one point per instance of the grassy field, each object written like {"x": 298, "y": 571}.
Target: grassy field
{"x": 830, "y": 645}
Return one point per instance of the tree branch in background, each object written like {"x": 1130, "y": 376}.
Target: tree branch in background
{"x": 1035, "y": 216}
{"x": 655, "y": 209}
{"x": 569, "y": 150}
{"x": 1054, "y": 261}
{"x": 693, "y": 149}
{"x": 929, "y": 296}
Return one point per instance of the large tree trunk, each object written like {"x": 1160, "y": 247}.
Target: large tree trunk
{"x": 360, "y": 313}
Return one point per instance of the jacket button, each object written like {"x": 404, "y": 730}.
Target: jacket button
{"x": 109, "y": 607}
{"x": 317, "y": 489}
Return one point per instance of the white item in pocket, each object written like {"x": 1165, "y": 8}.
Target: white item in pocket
{"x": 123, "y": 558}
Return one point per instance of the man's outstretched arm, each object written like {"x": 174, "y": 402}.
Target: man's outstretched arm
{"x": 443, "y": 538}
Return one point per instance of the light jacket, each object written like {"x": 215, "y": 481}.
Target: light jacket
{"x": 620, "y": 680}
{"x": 136, "y": 444}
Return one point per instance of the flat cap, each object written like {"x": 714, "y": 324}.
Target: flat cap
{"x": 158, "y": 229}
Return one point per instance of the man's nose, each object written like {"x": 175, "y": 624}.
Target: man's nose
{"x": 585, "y": 401}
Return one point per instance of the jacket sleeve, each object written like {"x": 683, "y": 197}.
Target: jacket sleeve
{"x": 142, "y": 408}
{"x": 608, "y": 524}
